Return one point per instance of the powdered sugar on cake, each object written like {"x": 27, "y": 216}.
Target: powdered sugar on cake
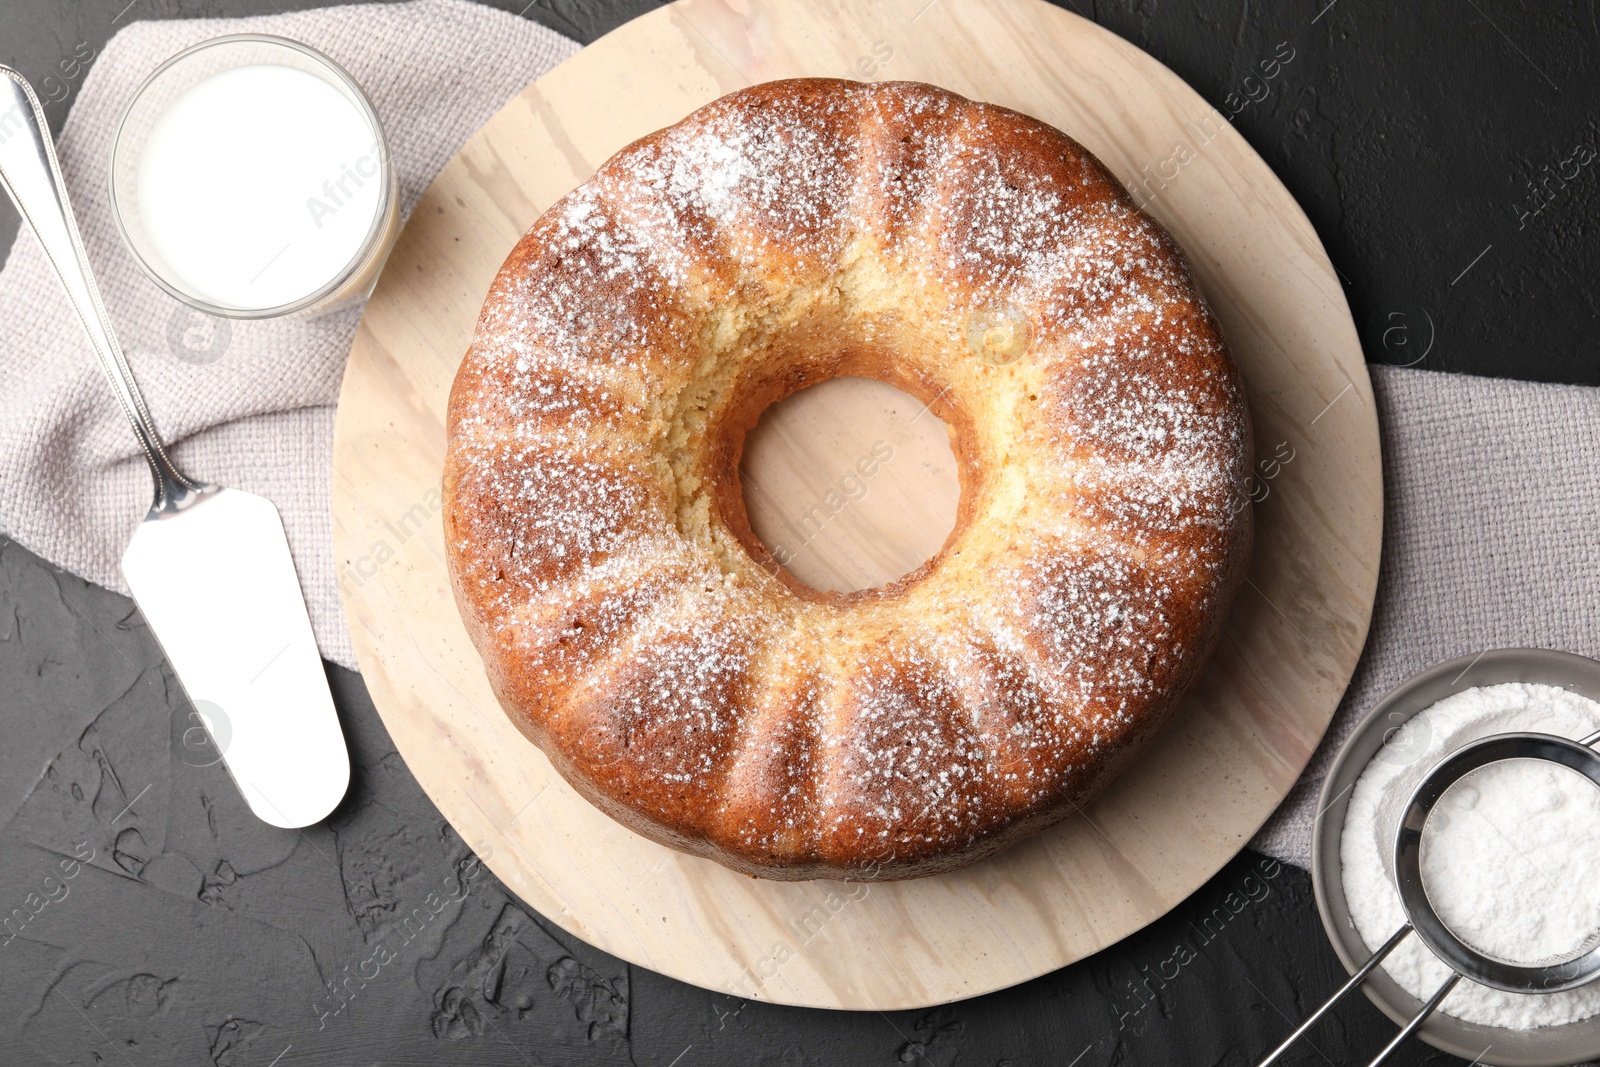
{"x": 634, "y": 630}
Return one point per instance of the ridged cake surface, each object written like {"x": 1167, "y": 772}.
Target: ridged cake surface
{"x": 635, "y": 629}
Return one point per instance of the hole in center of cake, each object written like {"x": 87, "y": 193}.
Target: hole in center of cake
{"x": 850, "y": 483}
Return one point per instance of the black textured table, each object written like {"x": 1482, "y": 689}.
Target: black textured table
{"x": 150, "y": 920}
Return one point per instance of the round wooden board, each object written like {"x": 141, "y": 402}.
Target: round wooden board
{"x": 1167, "y": 824}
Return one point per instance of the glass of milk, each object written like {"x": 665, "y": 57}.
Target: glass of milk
{"x": 250, "y": 178}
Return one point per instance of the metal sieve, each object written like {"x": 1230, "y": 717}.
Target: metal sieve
{"x": 1464, "y": 961}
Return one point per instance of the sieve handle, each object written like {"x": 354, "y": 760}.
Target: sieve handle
{"x": 1588, "y": 742}
{"x": 1344, "y": 990}
{"x": 1421, "y": 1016}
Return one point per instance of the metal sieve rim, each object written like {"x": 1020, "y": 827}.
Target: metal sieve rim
{"x": 1568, "y": 973}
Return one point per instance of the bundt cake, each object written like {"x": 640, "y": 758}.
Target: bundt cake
{"x": 636, "y": 630}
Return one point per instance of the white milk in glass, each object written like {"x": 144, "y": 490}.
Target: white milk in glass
{"x": 259, "y": 185}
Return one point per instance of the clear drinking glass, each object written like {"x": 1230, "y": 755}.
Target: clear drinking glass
{"x": 164, "y": 87}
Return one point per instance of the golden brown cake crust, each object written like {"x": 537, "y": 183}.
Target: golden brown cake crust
{"x": 636, "y": 630}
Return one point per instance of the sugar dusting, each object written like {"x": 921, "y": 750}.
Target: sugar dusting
{"x": 681, "y": 677}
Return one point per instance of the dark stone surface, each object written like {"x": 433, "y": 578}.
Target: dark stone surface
{"x": 188, "y": 933}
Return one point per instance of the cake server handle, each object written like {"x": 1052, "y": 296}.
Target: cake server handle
{"x": 1344, "y": 990}
{"x": 32, "y": 178}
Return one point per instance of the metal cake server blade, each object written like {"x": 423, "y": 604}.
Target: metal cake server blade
{"x": 209, "y": 566}
{"x": 215, "y": 581}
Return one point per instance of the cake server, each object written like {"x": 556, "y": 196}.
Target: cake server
{"x": 209, "y": 566}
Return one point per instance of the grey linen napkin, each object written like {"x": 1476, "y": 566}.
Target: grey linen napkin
{"x": 1490, "y": 533}
{"x": 250, "y": 404}
{"x": 1491, "y": 539}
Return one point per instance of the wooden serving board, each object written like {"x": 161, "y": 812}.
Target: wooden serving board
{"x": 1167, "y": 824}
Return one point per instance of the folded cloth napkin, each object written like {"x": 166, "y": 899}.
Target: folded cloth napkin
{"x": 1491, "y": 539}
{"x": 1490, "y": 532}
{"x": 244, "y": 404}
